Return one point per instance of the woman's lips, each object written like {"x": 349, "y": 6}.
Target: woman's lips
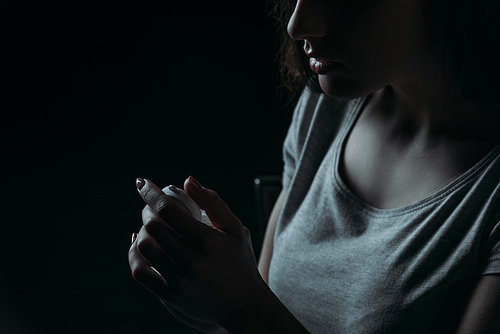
{"x": 322, "y": 66}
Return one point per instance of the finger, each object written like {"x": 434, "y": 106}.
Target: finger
{"x": 217, "y": 211}
{"x": 163, "y": 235}
{"x": 247, "y": 234}
{"x": 171, "y": 211}
{"x": 142, "y": 273}
{"x": 155, "y": 256}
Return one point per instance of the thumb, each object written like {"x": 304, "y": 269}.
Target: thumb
{"x": 217, "y": 211}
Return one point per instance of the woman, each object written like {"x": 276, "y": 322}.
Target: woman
{"x": 389, "y": 218}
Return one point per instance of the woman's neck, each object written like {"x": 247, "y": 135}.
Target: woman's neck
{"x": 437, "y": 112}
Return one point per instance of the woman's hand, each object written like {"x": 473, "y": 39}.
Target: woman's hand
{"x": 209, "y": 276}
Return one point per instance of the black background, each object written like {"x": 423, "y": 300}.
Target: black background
{"x": 96, "y": 95}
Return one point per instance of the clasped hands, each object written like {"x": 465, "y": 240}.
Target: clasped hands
{"x": 207, "y": 277}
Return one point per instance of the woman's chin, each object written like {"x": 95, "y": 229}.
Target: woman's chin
{"x": 343, "y": 87}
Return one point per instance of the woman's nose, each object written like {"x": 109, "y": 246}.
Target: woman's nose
{"x": 309, "y": 19}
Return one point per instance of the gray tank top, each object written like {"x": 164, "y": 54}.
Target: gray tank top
{"x": 342, "y": 266}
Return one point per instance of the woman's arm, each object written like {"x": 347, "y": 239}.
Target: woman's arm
{"x": 267, "y": 246}
{"x": 482, "y": 314}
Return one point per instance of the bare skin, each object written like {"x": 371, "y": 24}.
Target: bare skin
{"x": 418, "y": 131}
{"x": 418, "y": 127}
{"x": 392, "y": 159}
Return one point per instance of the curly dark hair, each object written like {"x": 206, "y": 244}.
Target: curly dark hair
{"x": 293, "y": 66}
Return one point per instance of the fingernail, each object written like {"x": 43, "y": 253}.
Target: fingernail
{"x": 139, "y": 183}
{"x": 134, "y": 236}
{"x": 195, "y": 183}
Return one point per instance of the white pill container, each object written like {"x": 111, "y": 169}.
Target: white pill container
{"x": 188, "y": 203}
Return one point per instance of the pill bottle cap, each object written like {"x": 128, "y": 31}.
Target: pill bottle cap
{"x": 188, "y": 203}
{"x": 182, "y": 197}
